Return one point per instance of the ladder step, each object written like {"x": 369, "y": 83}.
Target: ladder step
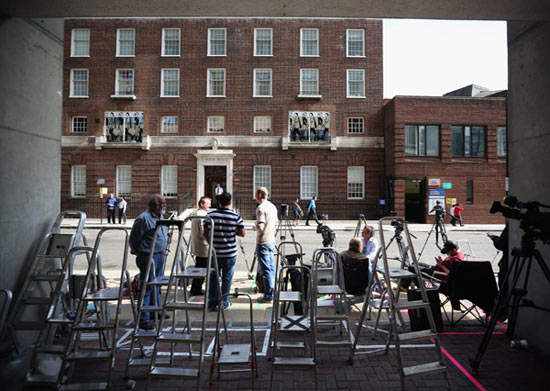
{"x": 397, "y": 272}
{"x": 334, "y": 344}
{"x": 294, "y": 361}
{"x": 235, "y": 354}
{"x": 174, "y": 373}
{"x": 46, "y": 277}
{"x": 332, "y": 317}
{"x": 89, "y": 356}
{"x": 94, "y": 326}
{"x": 325, "y": 303}
{"x": 146, "y": 334}
{"x": 376, "y": 304}
{"x": 416, "y": 336}
{"x": 51, "y": 349}
{"x": 329, "y": 290}
{"x": 294, "y": 323}
{"x": 184, "y": 306}
{"x": 59, "y": 320}
{"x": 160, "y": 280}
{"x": 41, "y": 380}
{"x": 290, "y": 296}
{"x": 192, "y": 272}
{"x": 291, "y": 345}
{"x": 183, "y": 338}
{"x": 84, "y": 386}
{"x": 22, "y": 325}
{"x": 151, "y": 308}
{"x": 423, "y": 369}
{"x": 407, "y": 305}
{"x": 145, "y": 362}
{"x": 104, "y": 294}
{"x": 37, "y": 300}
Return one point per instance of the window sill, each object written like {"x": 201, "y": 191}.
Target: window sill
{"x": 355, "y": 133}
{"x": 129, "y": 96}
{"x": 307, "y": 55}
{"x": 303, "y": 96}
{"x": 356, "y": 199}
{"x": 216, "y": 55}
{"x": 216, "y": 96}
{"x": 348, "y": 56}
{"x": 262, "y": 96}
{"x": 79, "y": 97}
{"x": 170, "y": 55}
{"x": 169, "y": 96}
{"x": 127, "y": 56}
{"x": 263, "y": 55}
{"x": 355, "y": 97}
{"x": 78, "y": 198}
{"x": 73, "y": 56}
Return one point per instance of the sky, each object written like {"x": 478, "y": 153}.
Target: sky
{"x": 432, "y": 57}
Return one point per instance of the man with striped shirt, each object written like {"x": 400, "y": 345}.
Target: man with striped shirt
{"x": 227, "y": 224}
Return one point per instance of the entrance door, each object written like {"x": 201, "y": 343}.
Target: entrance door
{"x": 415, "y": 200}
{"x": 212, "y": 176}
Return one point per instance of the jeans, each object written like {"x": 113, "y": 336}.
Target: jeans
{"x": 264, "y": 253}
{"x": 226, "y": 267}
{"x": 141, "y": 262}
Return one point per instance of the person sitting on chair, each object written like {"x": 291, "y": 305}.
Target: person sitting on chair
{"x": 356, "y": 267}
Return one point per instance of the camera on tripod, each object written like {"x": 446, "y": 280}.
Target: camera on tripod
{"x": 398, "y": 226}
{"x": 327, "y": 234}
{"x": 284, "y": 210}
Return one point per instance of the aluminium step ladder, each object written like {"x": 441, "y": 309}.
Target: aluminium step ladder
{"x": 394, "y": 276}
{"x": 98, "y": 312}
{"x": 361, "y": 223}
{"x": 176, "y": 300}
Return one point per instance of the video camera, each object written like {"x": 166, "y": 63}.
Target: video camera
{"x": 531, "y": 219}
{"x": 327, "y": 234}
{"x": 284, "y": 210}
{"x": 398, "y": 226}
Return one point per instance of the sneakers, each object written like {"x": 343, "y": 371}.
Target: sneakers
{"x": 264, "y": 299}
{"x": 226, "y": 306}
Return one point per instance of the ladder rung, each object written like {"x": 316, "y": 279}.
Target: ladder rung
{"x": 37, "y": 300}
{"x": 145, "y": 362}
{"x": 59, "y": 320}
{"x": 294, "y": 361}
{"x": 104, "y": 294}
{"x": 160, "y": 280}
{"x": 52, "y": 349}
{"x": 184, "y": 306}
{"x": 89, "y": 356}
{"x": 39, "y": 379}
{"x": 404, "y": 305}
{"x": 183, "y": 338}
{"x": 46, "y": 277}
{"x": 22, "y": 325}
{"x": 146, "y": 334}
{"x": 329, "y": 290}
{"x": 290, "y": 296}
{"x": 334, "y": 344}
{"x": 151, "y": 308}
{"x": 325, "y": 303}
{"x": 396, "y": 272}
{"x": 192, "y": 272}
{"x": 417, "y": 336}
{"x": 332, "y": 317}
{"x": 84, "y": 386}
{"x": 94, "y": 326}
{"x": 235, "y": 354}
{"x": 423, "y": 369}
{"x": 291, "y": 345}
{"x": 174, "y": 373}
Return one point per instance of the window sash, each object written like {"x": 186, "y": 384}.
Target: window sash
{"x": 216, "y": 82}
{"x": 421, "y": 140}
{"x": 501, "y": 141}
{"x": 170, "y": 82}
{"x": 356, "y": 183}
{"x": 78, "y": 181}
{"x": 79, "y": 82}
{"x": 356, "y": 125}
{"x": 309, "y": 42}
{"x": 356, "y": 43}
{"x": 262, "y": 124}
{"x": 216, "y": 42}
{"x": 356, "y": 82}
{"x": 81, "y": 43}
{"x": 469, "y": 191}
{"x": 263, "y": 42}
{"x": 468, "y": 141}
{"x": 262, "y": 177}
{"x": 169, "y": 180}
{"x": 216, "y": 124}
{"x": 309, "y": 81}
{"x": 79, "y": 124}
{"x": 124, "y": 82}
{"x": 123, "y": 181}
{"x": 169, "y": 124}
{"x": 308, "y": 182}
{"x": 262, "y": 82}
{"x": 171, "y": 42}
{"x": 126, "y": 42}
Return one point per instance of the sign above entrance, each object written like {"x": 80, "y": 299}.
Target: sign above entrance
{"x": 447, "y": 185}
{"x": 434, "y": 182}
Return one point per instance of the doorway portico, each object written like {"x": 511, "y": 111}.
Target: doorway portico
{"x": 213, "y": 158}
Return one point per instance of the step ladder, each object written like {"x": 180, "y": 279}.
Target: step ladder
{"x": 328, "y": 296}
{"x": 392, "y": 278}
{"x": 97, "y": 313}
{"x": 361, "y": 223}
{"x": 234, "y": 354}
{"x": 292, "y": 336}
{"x": 177, "y": 300}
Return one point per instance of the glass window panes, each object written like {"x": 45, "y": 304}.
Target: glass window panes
{"x": 81, "y": 43}
{"x": 79, "y": 82}
{"x": 468, "y": 141}
{"x": 501, "y": 141}
{"x": 356, "y": 179}
{"x": 170, "y": 82}
{"x": 216, "y": 42}
{"x": 123, "y": 181}
{"x": 216, "y": 82}
{"x": 79, "y": 124}
{"x": 478, "y": 141}
{"x": 124, "y": 82}
{"x": 170, "y": 42}
{"x": 262, "y": 124}
{"x": 169, "y": 178}
{"x": 356, "y": 125}
{"x": 126, "y": 42}
{"x": 263, "y": 42}
{"x": 124, "y": 126}
{"x": 422, "y": 140}
{"x": 262, "y": 82}
{"x": 262, "y": 177}
{"x": 309, "y": 42}
{"x": 78, "y": 181}
{"x": 308, "y": 182}
{"x": 169, "y": 125}
{"x": 215, "y": 124}
{"x": 356, "y": 83}
{"x": 309, "y": 82}
{"x": 356, "y": 43}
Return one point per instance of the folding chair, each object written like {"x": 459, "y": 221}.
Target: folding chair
{"x": 473, "y": 282}
{"x": 356, "y": 278}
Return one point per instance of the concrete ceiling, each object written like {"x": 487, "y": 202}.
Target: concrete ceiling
{"x": 520, "y": 10}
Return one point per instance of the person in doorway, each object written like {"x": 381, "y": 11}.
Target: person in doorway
{"x": 111, "y": 206}
{"x": 298, "y": 212}
{"x": 141, "y": 244}
{"x": 217, "y": 192}
{"x": 122, "y": 210}
{"x": 227, "y": 225}
{"x": 265, "y": 227}
{"x": 312, "y": 211}
{"x": 199, "y": 244}
{"x": 457, "y": 214}
{"x": 370, "y": 244}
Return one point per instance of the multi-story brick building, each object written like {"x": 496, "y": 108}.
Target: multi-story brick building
{"x": 174, "y": 106}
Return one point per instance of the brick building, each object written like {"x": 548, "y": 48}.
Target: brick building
{"x": 447, "y": 148}
{"x": 174, "y": 106}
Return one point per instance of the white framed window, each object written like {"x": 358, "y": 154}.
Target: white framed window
{"x": 171, "y": 42}
{"x": 169, "y": 124}
{"x": 125, "y": 42}
{"x": 216, "y": 41}
{"x": 262, "y": 177}
{"x": 170, "y": 83}
{"x": 262, "y": 124}
{"x": 263, "y": 42}
{"x": 309, "y": 82}
{"x": 80, "y": 43}
{"x": 356, "y": 183}
{"x": 308, "y": 182}
{"x": 123, "y": 181}
{"x": 79, "y": 124}
{"x": 79, "y": 83}
{"x": 309, "y": 42}
{"x": 501, "y": 141}
{"x": 78, "y": 181}
{"x": 124, "y": 82}
{"x": 355, "y": 43}
{"x": 216, "y": 82}
{"x": 169, "y": 181}
{"x": 356, "y": 125}
{"x": 216, "y": 124}
{"x": 123, "y": 126}
{"x": 262, "y": 83}
{"x": 356, "y": 83}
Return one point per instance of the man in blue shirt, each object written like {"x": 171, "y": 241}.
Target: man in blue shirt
{"x": 111, "y": 206}
{"x": 141, "y": 244}
{"x": 312, "y": 211}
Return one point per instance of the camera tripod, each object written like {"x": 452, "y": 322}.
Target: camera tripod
{"x": 403, "y": 250}
{"x": 522, "y": 257}
{"x": 439, "y": 227}
{"x": 284, "y": 225}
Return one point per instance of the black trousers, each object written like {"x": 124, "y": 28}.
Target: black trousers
{"x": 312, "y": 215}
{"x": 196, "y": 285}
{"x": 110, "y": 216}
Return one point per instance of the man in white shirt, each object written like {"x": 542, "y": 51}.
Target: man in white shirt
{"x": 370, "y": 244}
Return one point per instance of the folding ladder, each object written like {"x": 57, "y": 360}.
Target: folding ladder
{"x": 177, "y": 299}
{"x": 331, "y": 311}
{"x": 394, "y": 276}
{"x": 292, "y": 353}
{"x": 361, "y": 222}
{"x": 234, "y": 354}
{"x": 98, "y": 312}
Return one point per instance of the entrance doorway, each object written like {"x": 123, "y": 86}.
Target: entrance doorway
{"x": 212, "y": 176}
{"x": 415, "y": 200}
